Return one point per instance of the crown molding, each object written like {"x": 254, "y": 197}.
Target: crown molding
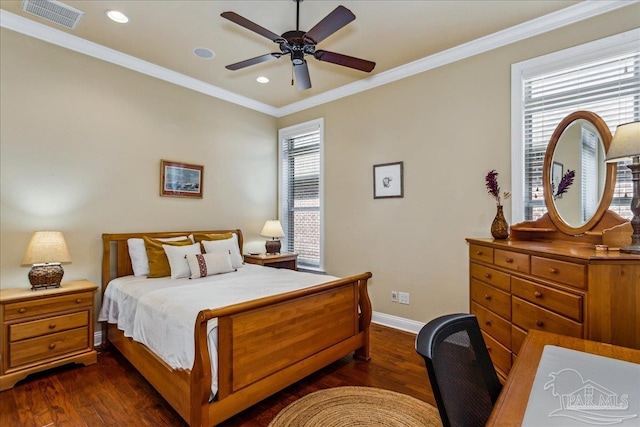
{"x": 581, "y": 11}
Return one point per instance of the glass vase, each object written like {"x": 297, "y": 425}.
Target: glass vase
{"x": 499, "y": 226}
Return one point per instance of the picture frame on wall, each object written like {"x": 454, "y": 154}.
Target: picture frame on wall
{"x": 388, "y": 180}
{"x": 180, "y": 179}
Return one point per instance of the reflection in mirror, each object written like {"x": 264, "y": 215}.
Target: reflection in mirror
{"x": 579, "y": 154}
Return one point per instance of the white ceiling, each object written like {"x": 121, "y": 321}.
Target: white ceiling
{"x": 402, "y": 37}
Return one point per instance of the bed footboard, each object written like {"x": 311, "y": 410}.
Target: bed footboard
{"x": 270, "y": 343}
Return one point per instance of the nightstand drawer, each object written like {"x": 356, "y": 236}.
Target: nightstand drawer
{"x": 559, "y": 271}
{"x": 19, "y": 310}
{"x": 491, "y": 276}
{"x": 529, "y": 316}
{"x": 512, "y": 260}
{"x": 495, "y": 300}
{"x": 47, "y": 347}
{"x": 36, "y": 328}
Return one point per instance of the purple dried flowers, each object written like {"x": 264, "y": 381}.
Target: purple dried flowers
{"x": 565, "y": 183}
{"x": 493, "y": 188}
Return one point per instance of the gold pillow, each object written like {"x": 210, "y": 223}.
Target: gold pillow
{"x": 198, "y": 237}
{"x": 158, "y": 261}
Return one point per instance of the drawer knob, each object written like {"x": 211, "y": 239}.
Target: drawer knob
{"x": 479, "y": 253}
{"x": 22, "y": 310}
{"x": 509, "y": 260}
{"x": 539, "y": 323}
{"x": 487, "y": 275}
{"x": 52, "y": 326}
{"x": 79, "y": 300}
{"x": 537, "y": 294}
{"x": 487, "y": 322}
{"x": 553, "y": 270}
{"x": 489, "y": 349}
{"x": 52, "y": 346}
{"x": 487, "y": 297}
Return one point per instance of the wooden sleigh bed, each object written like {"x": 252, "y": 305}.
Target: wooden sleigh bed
{"x": 264, "y": 345}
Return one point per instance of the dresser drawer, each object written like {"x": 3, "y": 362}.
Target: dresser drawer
{"x": 34, "y": 307}
{"x": 489, "y": 297}
{"x": 517, "y": 338}
{"x": 559, "y": 271}
{"x": 47, "y": 347}
{"x": 500, "y": 356}
{"x": 530, "y": 316}
{"x": 491, "y": 276}
{"x": 562, "y": 302}
{"x": 481, "y": 253}
{"x": 493, "y": 324}
{"x": 36, "y": 328}
{"x": 512, "y": 260}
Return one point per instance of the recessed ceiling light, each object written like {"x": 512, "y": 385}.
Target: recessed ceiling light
{"x": 262, "y": 79}
{"x": 203, "y": 52}
{"x": 117, "y": 16}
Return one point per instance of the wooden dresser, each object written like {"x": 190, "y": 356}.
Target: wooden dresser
{"x": 44, "y": 329}
{"x": 558, "y": 287}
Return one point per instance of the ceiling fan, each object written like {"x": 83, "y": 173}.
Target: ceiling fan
{"x": 298, "y": 44}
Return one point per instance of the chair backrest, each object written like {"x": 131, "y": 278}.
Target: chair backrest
{"x": 463, "y": 379}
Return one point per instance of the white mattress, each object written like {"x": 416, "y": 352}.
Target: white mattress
{"x": 161, "y": 313}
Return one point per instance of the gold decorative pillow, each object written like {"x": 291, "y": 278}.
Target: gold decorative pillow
{"x": 203, "y": 236}
{"x": 158, "y": 261}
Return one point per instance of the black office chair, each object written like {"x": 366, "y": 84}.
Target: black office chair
{"x": 463, "y": 379}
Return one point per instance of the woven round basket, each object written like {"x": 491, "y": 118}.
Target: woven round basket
{"x": 357, "y": 406}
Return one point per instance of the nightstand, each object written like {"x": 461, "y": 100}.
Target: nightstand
{"x": 283, "y": 260}
{"x": 44, "y": 329}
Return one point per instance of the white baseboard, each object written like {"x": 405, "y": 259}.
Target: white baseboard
{"x": 397, "y": 322}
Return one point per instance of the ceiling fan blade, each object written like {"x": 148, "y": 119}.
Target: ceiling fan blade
{"x": 331, "y": 23}
{"x": 249, "y": 25}
{"x": 302, "y": 76}
{"x": 253, "y": 61}
{"x": 344, "y": 60}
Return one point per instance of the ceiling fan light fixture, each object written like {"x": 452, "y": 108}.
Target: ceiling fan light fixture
{"x": 117, "y": 16}
{"x": 262, "y": 79}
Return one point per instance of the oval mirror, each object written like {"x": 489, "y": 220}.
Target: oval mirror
{"x": 578, "y": 184}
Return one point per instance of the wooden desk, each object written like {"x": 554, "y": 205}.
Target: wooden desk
{"x": 512, "y": 403}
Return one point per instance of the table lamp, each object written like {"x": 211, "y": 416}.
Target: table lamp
{"x": 273, "y": 229}
{"x": 626, "y": 144}
{"x": 46, "y": 250}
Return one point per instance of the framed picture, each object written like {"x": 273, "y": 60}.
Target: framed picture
{"x": 180, "y": 180}
{"x": 388, "y": 180}
{"x": 557, "y": 169}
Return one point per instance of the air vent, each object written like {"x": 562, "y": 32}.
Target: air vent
{"x": 54, "y": 11}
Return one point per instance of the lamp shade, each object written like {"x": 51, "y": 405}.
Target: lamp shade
{"x": 625, "y": 142}
{"x": 273, "y": 229}
{"x": 46, "y": 247}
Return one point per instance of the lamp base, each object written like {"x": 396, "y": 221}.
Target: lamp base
{"x": 45, "y": 276}
{"x": 273, "y": 246}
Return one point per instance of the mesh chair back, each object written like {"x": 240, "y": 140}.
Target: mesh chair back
{"x": 463, "y": 379}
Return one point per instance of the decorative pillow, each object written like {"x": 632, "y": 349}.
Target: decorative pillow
{"x": 158, "y": 262}
{"x": 202, "y": 265}
{"x": 177, "y": 256}
{"x": 203, "y": 236}
{"x": 138, "y": 254}
{"x": 231, "y": 245}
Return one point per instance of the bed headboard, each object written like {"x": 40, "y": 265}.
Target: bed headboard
{"x": 116, "y": 251}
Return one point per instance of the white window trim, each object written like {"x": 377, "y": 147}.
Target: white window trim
{"x": 609, "y": 46}
{"x": 283, "y": 135}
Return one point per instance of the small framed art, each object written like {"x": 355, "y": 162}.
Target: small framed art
{"x": 180, "y": 179}
{"x": 388, "y": 180}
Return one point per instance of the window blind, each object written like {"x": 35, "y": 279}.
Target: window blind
{"x": 300, "y": 196}
{"x": 608, "y": 87}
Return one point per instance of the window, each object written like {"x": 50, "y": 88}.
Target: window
{"x": 301, "y": 192}
{"x": 602, "y": 77}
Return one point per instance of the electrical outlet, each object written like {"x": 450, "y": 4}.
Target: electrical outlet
{"x": 403, "y": 297}
{"x": 394, "y": 296}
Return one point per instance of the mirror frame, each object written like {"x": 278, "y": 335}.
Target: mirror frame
{"x": 610, "y": 180}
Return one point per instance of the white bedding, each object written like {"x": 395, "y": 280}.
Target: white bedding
{"x": 161, "y": 313}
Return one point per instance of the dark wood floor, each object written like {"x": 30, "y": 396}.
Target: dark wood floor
{"x": 112, "y": 393}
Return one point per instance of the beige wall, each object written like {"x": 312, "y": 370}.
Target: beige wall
{"x": 81, "y": 143}
{"x": 450, "y": 126}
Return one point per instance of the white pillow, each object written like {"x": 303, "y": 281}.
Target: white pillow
{"x": 231, "y": 245}
{"x": 177, "y": 259}
{"x": 202, "y": 265}
{"x": 138, "y": 253}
